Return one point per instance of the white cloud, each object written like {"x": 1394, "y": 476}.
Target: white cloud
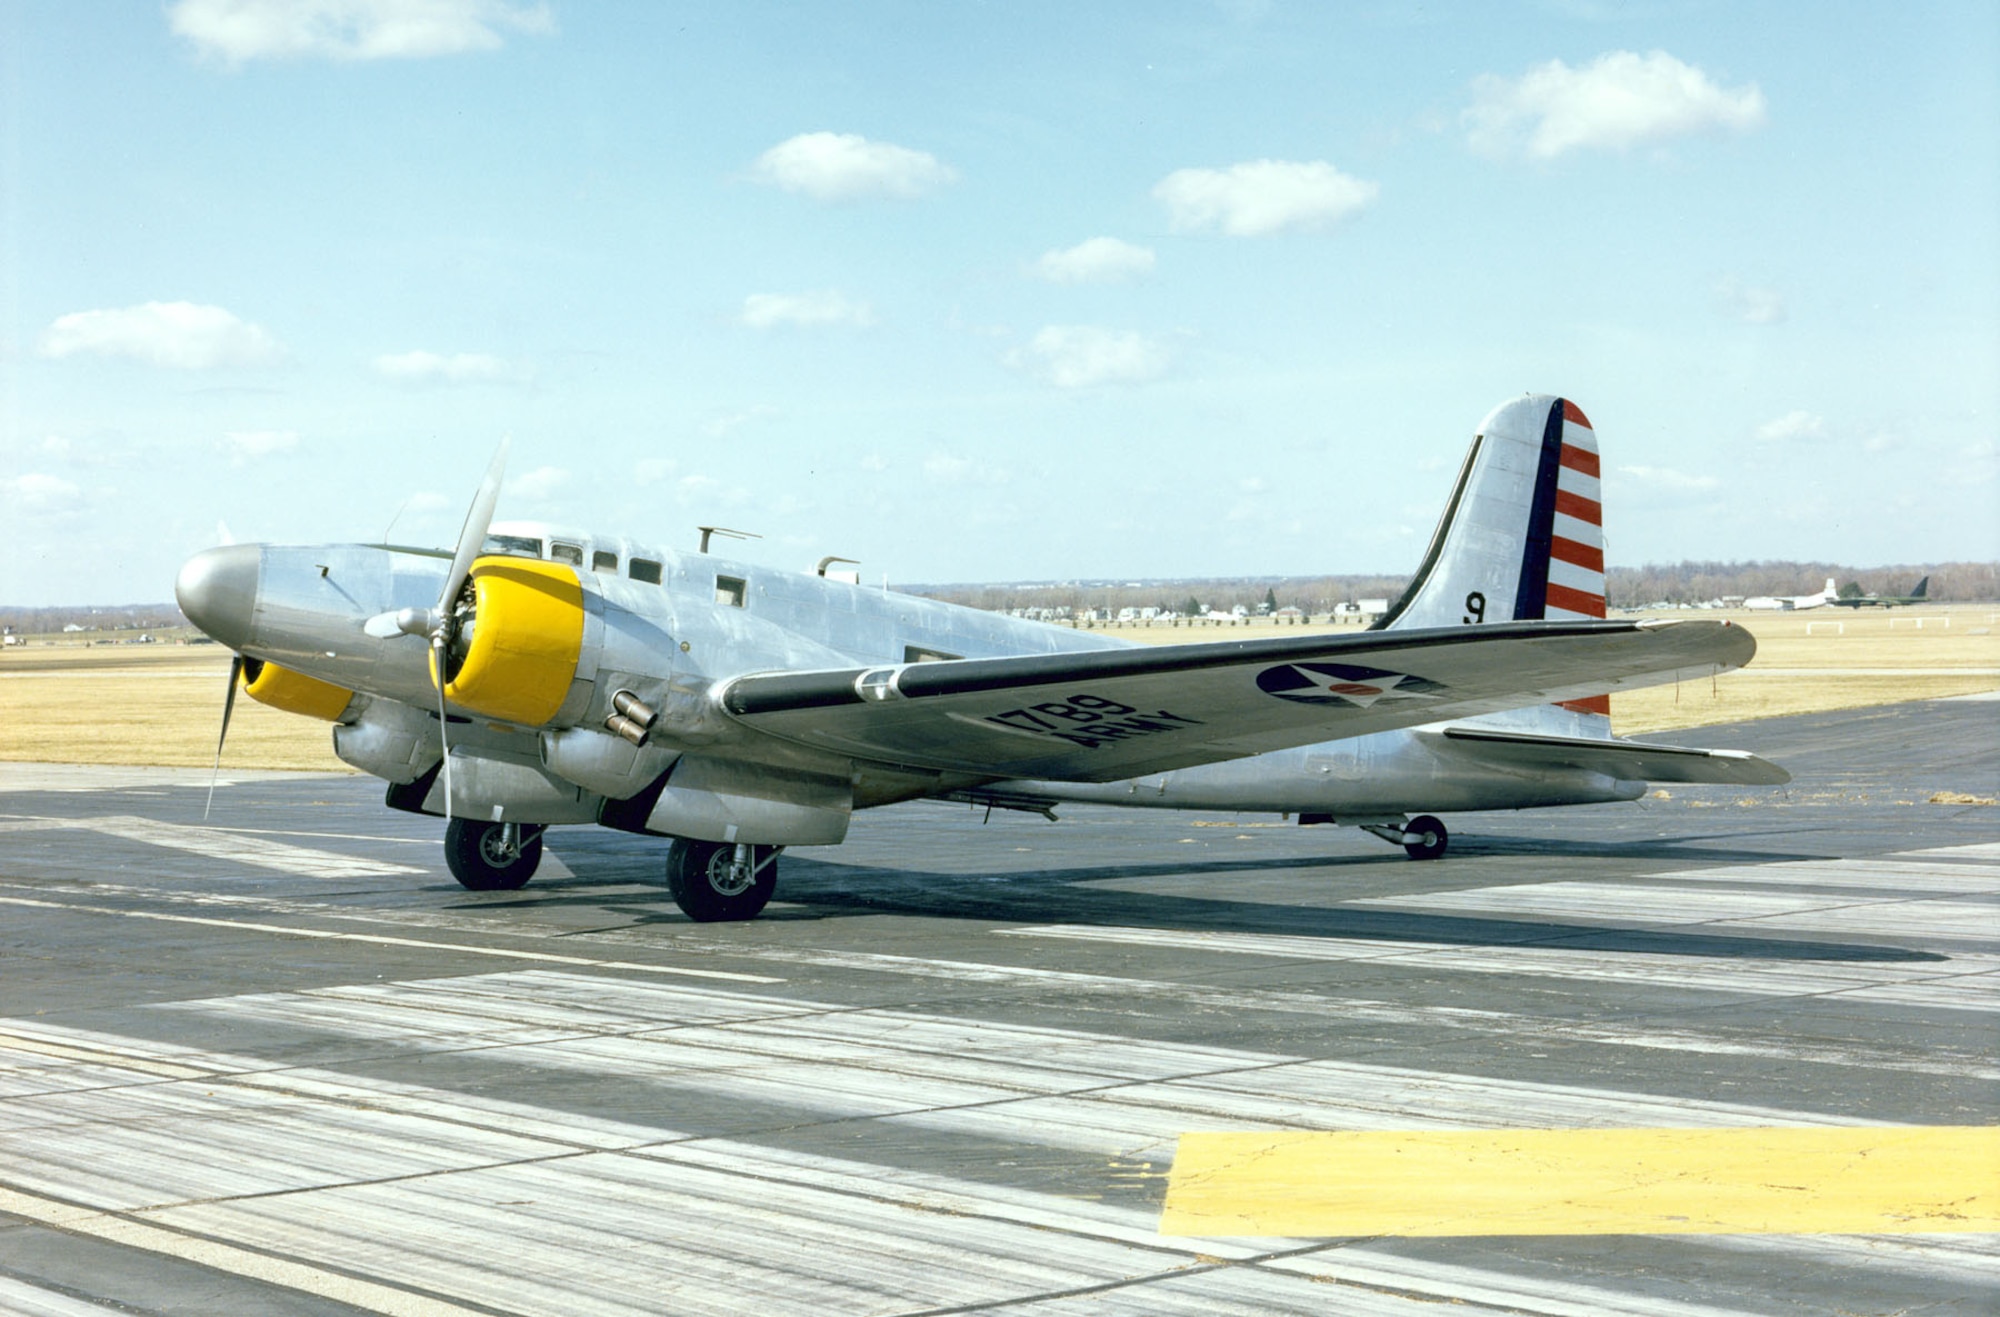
{"x": 1661, "y": 480}
{"x": 1792, "y": 425}
{"x": 804, "y": 310}
{"x": 436, "y": 368}
{"x": 707, "y": 491}
{"x": 950, "y": 469}
{"x": 241, "y": 30}
{"x": 543, "y": 483}
{"x": 35, "y": 492}
{"x": 1260, "y": 197}
{"x": 180, "y": 335}
{"x": 848, "y": 167}
{"x": 1095, "y": 261}
{"x": 1616, "y": 102}
{"x": 1078, "y": 356}
{"x": 1750, "y": 304}
{"x": 731, "y": 421}
{"x": 653, "y": 470}
{"x": 245, "y": 446}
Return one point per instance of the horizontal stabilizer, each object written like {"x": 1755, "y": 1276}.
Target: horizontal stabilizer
{"x": 1631, "y": 761}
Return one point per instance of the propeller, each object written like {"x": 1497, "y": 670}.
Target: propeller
{"x": 440, "y": 624}
{"x": 228, "y": 707}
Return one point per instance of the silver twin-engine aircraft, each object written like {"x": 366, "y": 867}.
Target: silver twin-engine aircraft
{"x": 535, "y": 677}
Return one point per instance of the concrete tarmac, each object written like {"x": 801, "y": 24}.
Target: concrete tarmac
{"x": 278, "y": 1062}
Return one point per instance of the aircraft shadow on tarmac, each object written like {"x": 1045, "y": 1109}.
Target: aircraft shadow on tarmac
{"x": 811, "y": 890}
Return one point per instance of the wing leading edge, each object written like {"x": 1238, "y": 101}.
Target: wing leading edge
{"x": 1104, "y": 715}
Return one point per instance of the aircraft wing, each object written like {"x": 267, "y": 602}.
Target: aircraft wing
{"x": 1102, "y": 715}
{"x": 1633, "y": 761}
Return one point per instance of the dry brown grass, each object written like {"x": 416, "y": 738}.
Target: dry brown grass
{"x": 143, "y": 704}
{"x": 162, "y": 704}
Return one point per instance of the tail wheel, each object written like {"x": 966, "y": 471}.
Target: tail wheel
{"x": 1424, "y": 837}
{"x": 492, "y": 857}
{"x": 712, "y": 883}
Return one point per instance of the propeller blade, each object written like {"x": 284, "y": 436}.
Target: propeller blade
{"x": 228, "y": 707}
{"x": 444, "y": 718}
{"x": 472, "y": 537}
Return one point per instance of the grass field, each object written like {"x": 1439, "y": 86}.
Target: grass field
{"x": 162, "y": 703}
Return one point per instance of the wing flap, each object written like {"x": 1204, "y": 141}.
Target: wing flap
{"x": 1631, "y": 761}
{"x": 1102, "y": 715}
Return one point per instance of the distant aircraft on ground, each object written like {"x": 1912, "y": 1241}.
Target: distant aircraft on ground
{"x": 1850, "y": 596}
{"x": 534, "y": 677}
{"x": 1787, "y": 603}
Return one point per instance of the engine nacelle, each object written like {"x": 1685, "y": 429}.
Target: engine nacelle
{"x": 391, "y": 741}
{"x": 522, "y": 641}
{"x": 717, "y": 800}
{"x": 294, "y": 692}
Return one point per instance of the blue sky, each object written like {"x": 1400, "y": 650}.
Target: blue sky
{"x": 998, "y": 292}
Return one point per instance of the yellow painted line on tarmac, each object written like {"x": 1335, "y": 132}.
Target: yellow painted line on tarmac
{"x": 1299, "y": 1184}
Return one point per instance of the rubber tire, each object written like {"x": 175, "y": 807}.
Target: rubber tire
{"x": 695, "y": 867}
{"x": 1432, "y": 837}
{"x": 465, "y": 853}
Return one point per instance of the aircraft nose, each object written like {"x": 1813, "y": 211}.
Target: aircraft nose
{"x": 217, "y": 589}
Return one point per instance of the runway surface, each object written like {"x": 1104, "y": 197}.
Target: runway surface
{"x": 278, "y": 1062}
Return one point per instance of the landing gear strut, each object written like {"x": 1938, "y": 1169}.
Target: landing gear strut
{"x": 719, "y": 881}
{"x": 1422, "y": 838}
{"x": 492, "y": 857}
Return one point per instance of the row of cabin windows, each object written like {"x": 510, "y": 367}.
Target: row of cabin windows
{"x": 730, "y": 591}
{"x": 601, "y": 560}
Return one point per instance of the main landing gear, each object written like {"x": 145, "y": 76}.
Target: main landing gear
{"x": 492, "y": 857}
{"x": 719, "y": 881}
{"x": 1422, "y": 838}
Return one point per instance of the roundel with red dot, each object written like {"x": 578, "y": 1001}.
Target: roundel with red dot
{"x": 519, "y": 638}
{"x": 1344, "y": 684}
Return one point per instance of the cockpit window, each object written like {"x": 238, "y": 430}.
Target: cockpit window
{"x": 569, "y": 553}
{"x": 604, "y": 562}
{"x": 644, "y": 569}
{"x": 729, "y": 591}
{"x": 517, "y": 546}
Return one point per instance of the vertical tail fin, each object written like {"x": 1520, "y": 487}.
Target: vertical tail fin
{"x": 1522, "y": 537}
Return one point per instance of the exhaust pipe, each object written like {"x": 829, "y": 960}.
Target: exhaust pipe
{"x": 633, "y": 719}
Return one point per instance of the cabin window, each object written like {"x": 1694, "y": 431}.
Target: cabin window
{"x": 604, "y": 562}
{"x": 518, "y": 546}
{"x": 920, "y": 654}
{"x": 569, "y": 553}
{"x": 644, "y": 569}
{"x": 729, "y": 590}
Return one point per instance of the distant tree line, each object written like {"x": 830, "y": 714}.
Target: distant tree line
{"x": 1699, "y": 582}
{"x": 122, "y": 617}
{"x": 1625, "y": 587}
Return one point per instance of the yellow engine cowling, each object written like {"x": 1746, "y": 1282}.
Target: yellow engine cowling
{"x": 526, "y": 638}
{"x": 294, "y": 692}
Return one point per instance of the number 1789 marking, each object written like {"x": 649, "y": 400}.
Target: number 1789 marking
{"x": 1090, "y": 720}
